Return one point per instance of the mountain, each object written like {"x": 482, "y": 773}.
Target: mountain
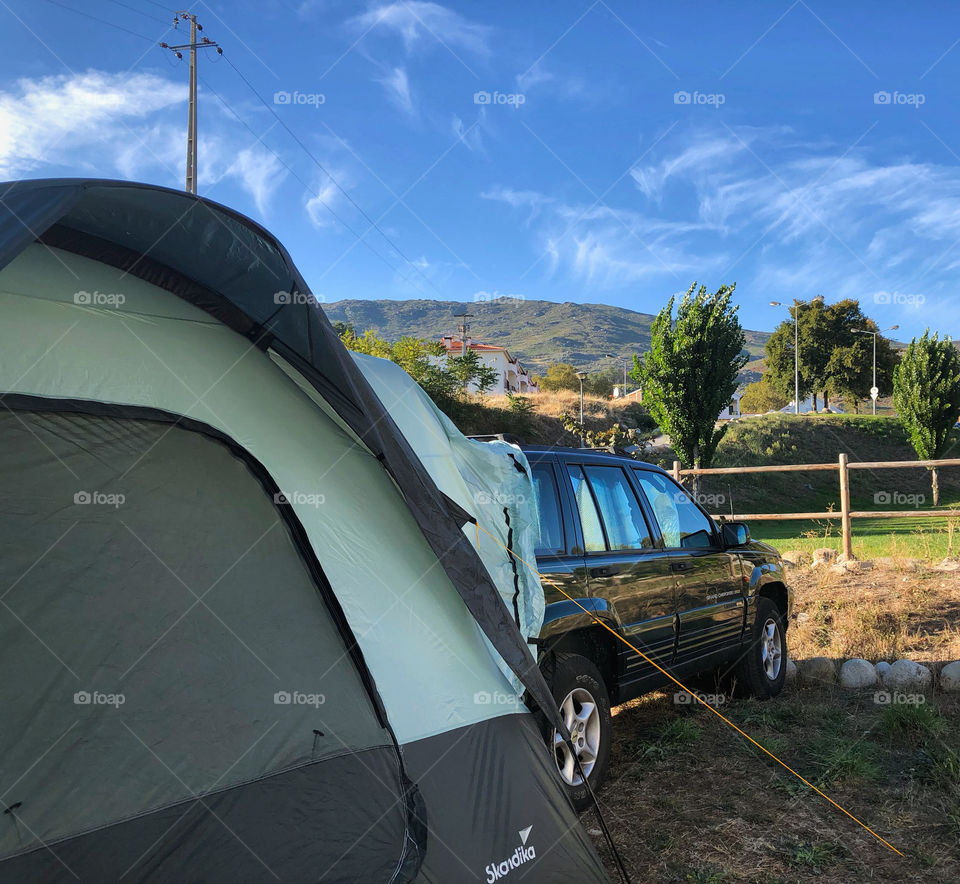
{"x": 539, "y": 332}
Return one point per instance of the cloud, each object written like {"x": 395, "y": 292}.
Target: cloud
{"x": 416, "y": 21}
{"x": 472, "y": 135}
{"x": 52, "y": 120}
{"x": 259, "y": 173}
{"x": 326, "y": 200}
{"x": 398, "y": 89}
{"x": 105, "y": 123}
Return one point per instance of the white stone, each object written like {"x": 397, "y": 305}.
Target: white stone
{"x": 950, "y": 677}
{"x": 794, "y": 557}
{"x": 821, "y": 669}
{"x": 802, "y": 617}
{"x": 907, "y": 674}
{"x": 858, "y": 673}
{"x": 882, "y": 668}
{"x": 824, "y": 556}
{"x": 791, "y": 670}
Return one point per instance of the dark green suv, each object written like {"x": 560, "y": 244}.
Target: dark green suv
{"x": 631, "y": 546}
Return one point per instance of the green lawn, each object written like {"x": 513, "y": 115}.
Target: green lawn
{"x": 917, "y": 538}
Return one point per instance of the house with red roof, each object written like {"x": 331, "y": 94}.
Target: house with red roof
{"x": 512, "y": 376}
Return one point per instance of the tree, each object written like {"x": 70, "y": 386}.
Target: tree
{"x": 835, "y": 359}
{"x": 690, "y": 373}
{"x": 761, "y": 396}
{"x": 560, "y": 376}
{"x": 926, "y": 394}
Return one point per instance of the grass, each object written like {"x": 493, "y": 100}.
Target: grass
{"x": 929, "y": 539}
{"x": 707, "y": 808}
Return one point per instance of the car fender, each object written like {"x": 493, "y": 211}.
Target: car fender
{"x": 565, "y": 616}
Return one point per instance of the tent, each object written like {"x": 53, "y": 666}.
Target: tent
{"x": 244, "y": 635}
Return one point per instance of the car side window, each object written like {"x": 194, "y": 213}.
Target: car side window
{"x": 682, "y": 523}
{"x": 619, "y": 508}
{"x": 550, "y": 541}
{"x": 593, "y": 539}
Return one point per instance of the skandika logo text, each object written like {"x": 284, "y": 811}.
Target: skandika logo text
{"x": 523, "y": 854}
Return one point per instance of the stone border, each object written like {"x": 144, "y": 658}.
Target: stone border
{"x": 859, "y": 674}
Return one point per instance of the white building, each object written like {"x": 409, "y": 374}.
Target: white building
{"x": 512, "y": 377}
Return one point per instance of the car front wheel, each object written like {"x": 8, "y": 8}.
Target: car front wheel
{"x": 584, "y": 704}
{"x": 763, "y": 667}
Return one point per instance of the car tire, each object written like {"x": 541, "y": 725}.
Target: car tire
{"x": 762, "y": 669}
{"x": 581, "y": 695}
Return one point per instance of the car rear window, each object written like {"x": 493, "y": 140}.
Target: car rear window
{"x": 550, "y": 541}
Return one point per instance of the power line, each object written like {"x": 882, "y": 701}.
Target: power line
{"x": 104, "y": 21}
{"x": 137, "y": 11}
{"x": 373, "y": 224}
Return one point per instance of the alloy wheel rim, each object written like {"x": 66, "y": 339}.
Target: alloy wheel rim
{"x": 771, "y": 649}
{"x": 581, "y": 715}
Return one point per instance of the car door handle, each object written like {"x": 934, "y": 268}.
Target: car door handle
{"x": 602, "y": 571}
{"x": 679, "y": 566}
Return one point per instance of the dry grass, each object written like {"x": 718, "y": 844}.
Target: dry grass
{"x": 877, "y": 615}
{"x": 689, "y": 800}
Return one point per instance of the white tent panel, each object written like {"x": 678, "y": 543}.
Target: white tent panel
{"x": 157, "y": 351}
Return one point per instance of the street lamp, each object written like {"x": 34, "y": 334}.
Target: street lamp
{"x": 796, "y": 348}
{"x": 581, "y": 376}
{"x": 623, "y": 362}
{"x": 874, "y": 390}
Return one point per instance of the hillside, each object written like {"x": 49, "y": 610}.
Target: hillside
{"x": 539, "y": 332}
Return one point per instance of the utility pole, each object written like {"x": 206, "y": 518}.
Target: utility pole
{"x": 193, "y": 46}
{"x": 463, "y": 328}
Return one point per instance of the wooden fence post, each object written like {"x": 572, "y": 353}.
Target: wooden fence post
{"x": 845, "y": 507}
{"x": 676, "y": 471}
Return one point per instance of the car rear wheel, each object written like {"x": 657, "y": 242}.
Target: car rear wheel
{"x": 763, "y": 668}
{"x": 584, "y": 705}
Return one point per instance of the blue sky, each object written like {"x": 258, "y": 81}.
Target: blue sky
{"x": 625, "y": 151}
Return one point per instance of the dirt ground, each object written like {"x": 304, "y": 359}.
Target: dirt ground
{"x": 689, "y": 800}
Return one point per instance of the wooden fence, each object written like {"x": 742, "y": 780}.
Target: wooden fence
{"x": 843, "y": 467}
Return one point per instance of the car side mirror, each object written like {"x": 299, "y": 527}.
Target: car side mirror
{"x": 735, "y": 534}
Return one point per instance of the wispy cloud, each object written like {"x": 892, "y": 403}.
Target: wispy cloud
{"x": 417, "y": 22}
{"x": 398, "y": 89}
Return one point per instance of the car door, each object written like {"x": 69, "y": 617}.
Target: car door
{"x": 559, "y": 556}
{"x": 709, "y": 583}
{"x": 626, "y": 569}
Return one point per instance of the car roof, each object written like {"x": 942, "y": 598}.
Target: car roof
{"x": 598, "y": 455}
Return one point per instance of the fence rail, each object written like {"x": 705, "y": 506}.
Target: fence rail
{"x": 842, "y": 467}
